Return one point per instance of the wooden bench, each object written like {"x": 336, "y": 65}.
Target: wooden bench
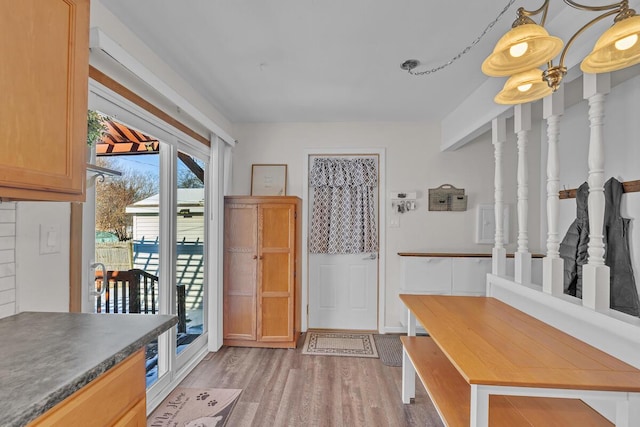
{"x": 450, "y": 394}
{"x": 486, "y": 363}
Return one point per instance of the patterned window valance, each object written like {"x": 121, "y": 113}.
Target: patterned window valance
{"x": 343, "y": 218}
{"x": 339, "y": 172}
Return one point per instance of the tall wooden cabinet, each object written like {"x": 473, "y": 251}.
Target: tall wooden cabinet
{"x": 43, "y": 109}
{"x": 262, "y": 271}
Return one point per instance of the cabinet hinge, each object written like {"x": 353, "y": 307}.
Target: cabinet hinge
{"x": 307, "y": 309}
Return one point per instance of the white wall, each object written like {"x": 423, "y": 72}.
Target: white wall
{"x": 414, "y": 163}
{"x": 43, "y": 278}
{"x": 622, "y": 154}
{"x": 101, "y": 17}
{"x": 7, "y": 259}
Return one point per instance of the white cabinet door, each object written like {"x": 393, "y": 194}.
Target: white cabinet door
{"x": 469, "y": 275}
{"x": 426, "y": 275}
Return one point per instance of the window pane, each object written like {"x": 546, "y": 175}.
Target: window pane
{"x": 190, "y": 240}
{"x": 127, "y": 226}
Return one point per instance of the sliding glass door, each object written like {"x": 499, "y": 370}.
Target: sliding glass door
{"x": 152, "y": 243}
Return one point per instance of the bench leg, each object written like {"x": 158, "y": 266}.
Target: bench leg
{"x": 628, "y": 411}
{"x": 408, "y": 378}
{"x": 411, "y": 324}
{"x": 479, "y": 406}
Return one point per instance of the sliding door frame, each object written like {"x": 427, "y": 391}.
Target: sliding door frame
{"x": 112, "y": 103}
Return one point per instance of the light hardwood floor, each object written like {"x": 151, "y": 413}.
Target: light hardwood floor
{"x": 283, "y": 387}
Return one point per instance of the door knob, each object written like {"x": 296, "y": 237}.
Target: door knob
{"x": 92, "y": 289}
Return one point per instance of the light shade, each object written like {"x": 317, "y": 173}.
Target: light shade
{"x": 617, "y": 48}
{"x": 524, "y": 87}
{"x": 522, "y": 48}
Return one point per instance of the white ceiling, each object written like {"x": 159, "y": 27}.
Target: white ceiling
{"x": 322, "y": 60}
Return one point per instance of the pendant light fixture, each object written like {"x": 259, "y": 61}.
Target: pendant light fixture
{"x": 528, "y": 45}
{"x": 523, "y": 87}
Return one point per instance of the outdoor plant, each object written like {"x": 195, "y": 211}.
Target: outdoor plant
{"x": 95, "y": 127}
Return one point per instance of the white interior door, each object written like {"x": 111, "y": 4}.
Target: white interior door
{"x": 343, "y": 289}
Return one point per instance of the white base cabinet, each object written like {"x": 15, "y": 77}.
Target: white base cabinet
{"x": 453, "y": 275}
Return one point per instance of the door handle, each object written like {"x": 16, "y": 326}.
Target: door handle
{"x": 103, "y": 287}
{"x": 372, "y": 256}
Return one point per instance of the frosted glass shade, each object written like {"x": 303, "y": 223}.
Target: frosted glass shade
{"x": 522, "y": 48}
{"x": 514, "y": 91}
{"x": 606, "y": 56}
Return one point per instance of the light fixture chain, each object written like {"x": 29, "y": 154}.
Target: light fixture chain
{"x": 468, "y": 48}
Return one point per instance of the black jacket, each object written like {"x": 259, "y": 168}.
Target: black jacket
{"x": 573, "y": 249}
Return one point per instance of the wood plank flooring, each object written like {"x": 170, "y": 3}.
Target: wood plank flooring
{"x": 283, "y": 387}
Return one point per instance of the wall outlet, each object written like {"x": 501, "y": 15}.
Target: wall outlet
{"x": 394, "y": 221}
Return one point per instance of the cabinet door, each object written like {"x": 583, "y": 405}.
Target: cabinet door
{"x": 240, "y": 261}
{"x": 470, "y": 276}
{"x": 44, "y": 87}
{"x": 426, "y": 275}
{"x": 276, "y": 255}
{"x": 119, "y": 392}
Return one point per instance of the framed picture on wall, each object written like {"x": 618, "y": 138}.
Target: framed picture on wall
{"x": 268, "y": 180}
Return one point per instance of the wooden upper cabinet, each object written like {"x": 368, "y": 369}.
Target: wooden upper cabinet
{"x": 43, "y": 99}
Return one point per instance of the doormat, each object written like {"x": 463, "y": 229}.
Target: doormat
{"x": 186, "y": 407}
{"x": 339, "y": 344}
{"x": 389, "y": 348}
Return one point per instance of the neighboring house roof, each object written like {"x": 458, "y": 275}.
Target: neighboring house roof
{"x": 188, "y": 198}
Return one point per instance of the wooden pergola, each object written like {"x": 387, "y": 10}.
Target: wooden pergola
{"x": 122, "y": 140}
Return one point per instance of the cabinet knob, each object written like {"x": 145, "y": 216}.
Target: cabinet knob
{"x": 255, "y": 257}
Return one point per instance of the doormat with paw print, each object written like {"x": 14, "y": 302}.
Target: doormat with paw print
{"x": 191, "y": 407}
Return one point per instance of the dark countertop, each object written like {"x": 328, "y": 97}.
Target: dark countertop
{"x": 46, "y": 357}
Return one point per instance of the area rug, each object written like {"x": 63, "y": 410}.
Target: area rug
{"x": 389, "y": 349}
{"x": 339, "y": 344}
{"x": 195, "y": 407}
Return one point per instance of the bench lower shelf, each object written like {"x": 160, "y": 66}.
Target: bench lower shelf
{"x": 451, "y": 395}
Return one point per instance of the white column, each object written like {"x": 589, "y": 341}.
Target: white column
{"x": 215, "y": 234}
{"x": 552, "y": 264}
{"x": 522, "y": 126}
{"x": 499, "y": 255}
{"x": 595, "y": 275}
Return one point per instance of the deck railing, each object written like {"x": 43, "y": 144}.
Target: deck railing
{"x": 135, "y": 291}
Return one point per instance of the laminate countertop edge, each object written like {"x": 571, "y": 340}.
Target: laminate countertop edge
{"x": 456, "y": 255}
{"x": 46, "y": 357}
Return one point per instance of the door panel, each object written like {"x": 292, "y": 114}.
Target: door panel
{"x": 357, "y": 287}
{"x": 240, "y": 271}
{"x": 276, "y": 272}
{"x": 344, "y": 292}
{"x": 276, "y": 323}
{"x": 326, "y": 295}
{"x": 275, "y": 278}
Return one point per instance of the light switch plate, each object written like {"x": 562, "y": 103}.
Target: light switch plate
{"x": 49, "y": 239}
{"x": 394, "y": 221}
